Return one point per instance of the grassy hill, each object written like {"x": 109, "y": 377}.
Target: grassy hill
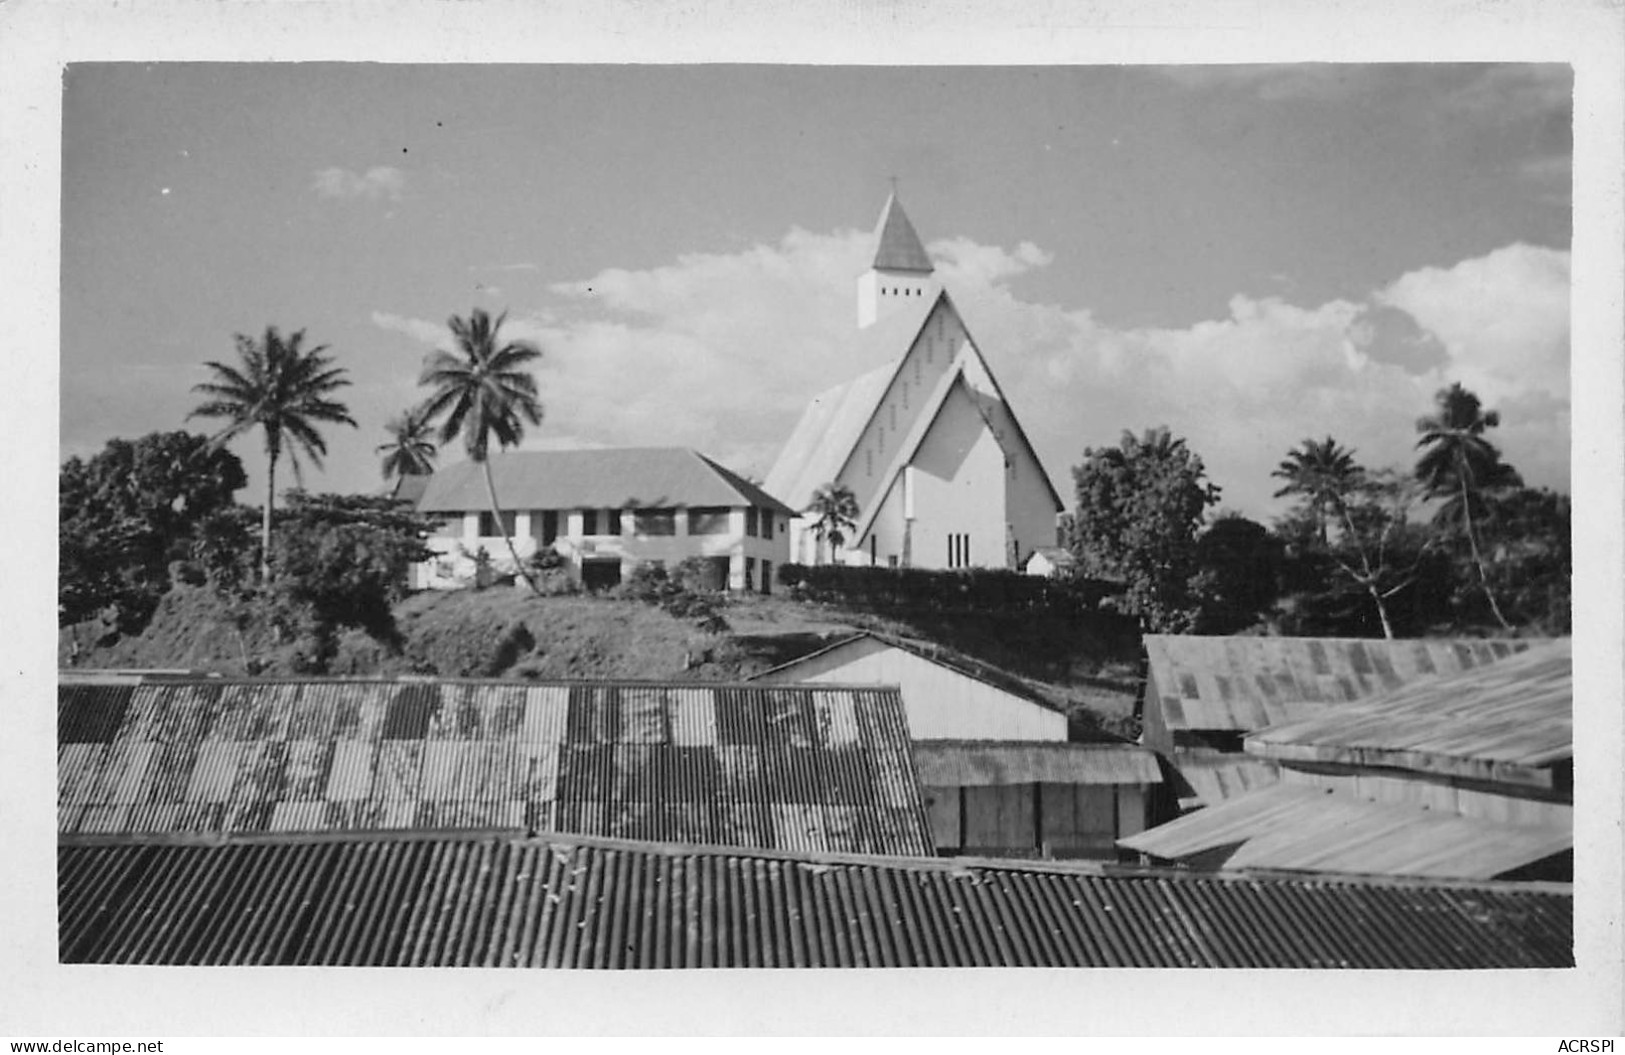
{"x": 506, "y": 633}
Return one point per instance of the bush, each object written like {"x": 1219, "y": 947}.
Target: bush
{"x": 992, "y": 590}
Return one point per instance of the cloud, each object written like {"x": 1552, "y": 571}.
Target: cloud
{"x": 376, "y": 183}
{"x": 431, "y": 333}
{"x": 722, "y": 352}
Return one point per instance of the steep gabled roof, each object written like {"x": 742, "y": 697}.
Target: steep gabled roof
{"x": 780, "y": 766}
{"x": 830, "y": 427}
{"x": 611, "y": 478}
{"x": 486, "y": 900}
{"x": 897, "y": 245}
{"x": 1508, "y": 721}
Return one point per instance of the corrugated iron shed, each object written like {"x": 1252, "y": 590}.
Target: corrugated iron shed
{"x": 1297, "y": 827}
{"x": 979, "y": 763}
{"x": 1239, "y": 684}
{"x": 795, "y": 767}
{"x": 500, "y": 901}
{"x": 1510, "y": 722}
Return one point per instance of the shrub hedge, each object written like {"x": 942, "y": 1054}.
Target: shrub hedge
{"x": 992, "y": 590}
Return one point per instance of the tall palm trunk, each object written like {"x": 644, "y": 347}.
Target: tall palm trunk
{"x": 496, "y": 511}
{"x": 265, "y": 523}
{"x": 1478, "y": 559}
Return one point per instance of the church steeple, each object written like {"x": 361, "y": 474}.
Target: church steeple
{"x": 901, "y": 270}
{"x": 897, "y": 246}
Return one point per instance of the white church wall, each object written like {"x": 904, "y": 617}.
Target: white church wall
{"x": 959, "y": 491}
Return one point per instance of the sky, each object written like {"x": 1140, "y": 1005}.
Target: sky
{"x": 1250, "y": 256}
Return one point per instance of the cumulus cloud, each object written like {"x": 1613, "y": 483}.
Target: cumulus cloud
{"x": 722, "y": 352}
{"x": 379, "y": 182}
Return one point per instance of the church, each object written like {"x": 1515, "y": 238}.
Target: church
{"x": 926, "y": 442}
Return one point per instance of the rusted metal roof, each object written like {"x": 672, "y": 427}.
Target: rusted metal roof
{"x": 1510, "y": 722}
{"x": 804, "y": 767}
{"x": 1210, "y": 777}
{"x": 1246, "y": 683}
{"x": 607, "y": 478}
{"x": 503, "y": 901}
{"x": 1293, "y": 826}
{"x": 975, "y": 763}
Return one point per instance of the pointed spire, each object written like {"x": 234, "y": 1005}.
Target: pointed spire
{"x": 897, "y": 246}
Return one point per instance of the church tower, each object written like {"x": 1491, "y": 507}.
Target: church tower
{"x": 901, "y": 272}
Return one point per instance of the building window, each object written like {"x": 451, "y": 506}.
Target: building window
{"x": 544, "y": 525}
{"x": 959, "y": 550}
{"x": 654, "y": 521}
{"x": 767, "y": 576}
{"x": 767, "y": 524}
{"x": 750, "y": 521}
{"x": 708, "y": 520}
{"x": 490, "y": 529}
{"x": 750, "y": 573}
{"x": 589, "y": 521}
{"x": 613, "y": 525}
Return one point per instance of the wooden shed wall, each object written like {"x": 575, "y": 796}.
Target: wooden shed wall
{"x": 1050, "y": 820}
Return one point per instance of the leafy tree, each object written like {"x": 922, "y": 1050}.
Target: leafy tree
{"x": 1527, "y": 531}
{"x": 1240, "y": 564}
{"x": 1139, "y": 507}
{"x": 1377, "y": 548}
{"x": 282, "y": 390}
{"x": 1463, "y": 469}
{"x": 127, "y": 512}
{"x": 343, "y": 561}
{"x": 836, "y": 512}
{"x": 484, "y": 391}
{"x": 411, "y": 448}
{"x": 1320, "y": 471}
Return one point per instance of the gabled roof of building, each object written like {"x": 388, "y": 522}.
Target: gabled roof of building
{"x": 830, "y": 427}
{"x": 609, "y": 478}
{"x": 1313, "y": 829}
{"x": 1510, "y": 721}
{"x": 1240, "y": 684}
{"x": 897, "y": 245}
{"x": 486, "y": 900}
{"x": 409, "y": 487}
{"x": 1001, "y": 763}
{"x": 948, "y": 659}
{"x": 808, "y": 767}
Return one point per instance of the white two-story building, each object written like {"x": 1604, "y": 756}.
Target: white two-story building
{"x": 604, "y": 512}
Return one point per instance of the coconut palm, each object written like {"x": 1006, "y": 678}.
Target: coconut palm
{"x": 281, "y": 389}
{"x": 484, "y": 391}
{"x": 836, "y": 509}
{"x": 1323, "y": 472}
{"x": 1463, "y": 468}
{"x": 411, "y": 448}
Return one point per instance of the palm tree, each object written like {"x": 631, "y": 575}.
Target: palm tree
{"x": 410, "y": 450}
{"x": 281, "y": 389}
{"x": 484, "y": 392}
{"x": 837, "y": 512}
{"x": 1463, "y": 468}
{"x": 1324, "y": 472}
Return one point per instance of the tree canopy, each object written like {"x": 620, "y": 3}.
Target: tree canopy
{"x": 1139, "y": 507}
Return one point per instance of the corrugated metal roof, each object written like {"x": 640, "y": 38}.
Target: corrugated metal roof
{"x": 1212, "y": 777}
{"x": 613, "y": 478}
{"x": 830, "y": 427}
{"x": 1247, "y": 683}
{"x": 974, "y": 763}
{"x": 805, "y": 767}
{"x": 1509, "y": 722}
{"x": 897, "y": 244}
{"x": 499, "y": 901}
{"x": 1292, "y": 826}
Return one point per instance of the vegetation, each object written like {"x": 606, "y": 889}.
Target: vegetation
{"x": 484, "y": 390}
{"x": 411, "y": 447}
{"x": 1139, "y": 508}
{"x": 1465, "y": 470}
{"x": 125, "y": 514}
{"x": 836, "y": 510}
